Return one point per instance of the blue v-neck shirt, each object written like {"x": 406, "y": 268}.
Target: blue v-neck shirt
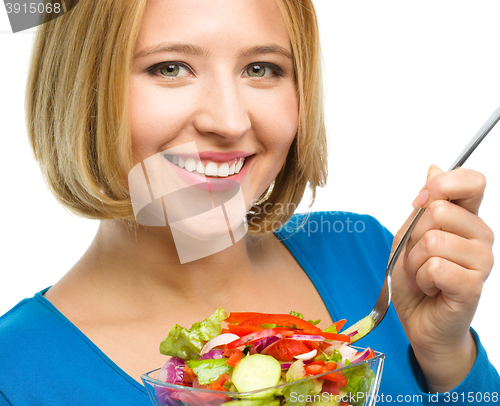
{"x": 46, "y": 360}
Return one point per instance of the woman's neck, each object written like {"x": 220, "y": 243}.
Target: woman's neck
{"x": 141, "y": 264}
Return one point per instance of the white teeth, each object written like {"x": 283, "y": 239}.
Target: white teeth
{"x": 181, "y": 162}
{"x": 200, "y": 168}
{"x": 211, "y": 169}
{"x": 190, "y": 164}
{"x": 238, "y": 166}
{"x": 223, "y": 170}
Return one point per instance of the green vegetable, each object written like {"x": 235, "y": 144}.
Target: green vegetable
{"x": 360, "y": 379}
{"x": 187, "y": 344}
{"x": 208, "y": 370}
{"x": 332, "y": 329}
{"x": 301, "y": 316}
{"x": 296, "y": 395}
{"x": 335, "y": 357}
{"x": 315, "y": 322}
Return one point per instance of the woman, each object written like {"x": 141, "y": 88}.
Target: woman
{"x": 114, "y": 84}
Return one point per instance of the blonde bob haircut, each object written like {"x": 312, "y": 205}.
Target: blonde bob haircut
{"x": 77, "y": 111}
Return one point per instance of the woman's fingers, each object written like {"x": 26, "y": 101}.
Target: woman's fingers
{"x": 449, "y": 217}
{"x": 439, "y": 274}
{"x": 436, "y": 246}
{"x": 463, "y": 187}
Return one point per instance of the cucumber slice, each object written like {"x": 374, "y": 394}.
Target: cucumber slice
{"x": 362, "y": 327}
{"x": 256, "y": 372}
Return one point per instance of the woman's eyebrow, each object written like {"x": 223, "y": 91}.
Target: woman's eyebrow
{"x": 266, "y": 49}
{"x": 172, "y": 47}
{"x": 199, "y": 51}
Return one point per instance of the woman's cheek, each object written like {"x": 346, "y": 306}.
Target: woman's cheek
{"x": 157, "y": 117}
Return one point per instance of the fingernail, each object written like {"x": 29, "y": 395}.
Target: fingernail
{"x": 421, "y": 199}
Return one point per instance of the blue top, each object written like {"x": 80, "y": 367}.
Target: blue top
{"x": 46, "y": 360}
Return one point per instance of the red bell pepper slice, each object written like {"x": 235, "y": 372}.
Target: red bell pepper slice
{"x": 238, "y": 317}
{"x": 281, "y": 320}
{"x": 336, "y": 337}
{"x": 243, "y": 331}
{"x": 339, "y": 324}
{"x": 254, "y": 337}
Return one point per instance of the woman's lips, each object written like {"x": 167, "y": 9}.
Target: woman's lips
{"x": 241, "y": 167}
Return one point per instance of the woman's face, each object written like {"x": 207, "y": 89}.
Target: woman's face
{"x": 219, "y": 73}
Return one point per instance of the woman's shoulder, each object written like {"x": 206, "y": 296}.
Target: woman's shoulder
{"x": 23, "y": 326}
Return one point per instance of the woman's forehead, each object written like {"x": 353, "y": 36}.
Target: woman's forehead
{"x": 212, "y": 23}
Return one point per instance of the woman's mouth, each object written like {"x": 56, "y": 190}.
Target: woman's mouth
{"x": 206, "y": 167}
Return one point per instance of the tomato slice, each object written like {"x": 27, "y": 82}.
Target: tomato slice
{"x": 243, "y": 331}
{"x": 256, "y": 336}
{"x": 218, "y": 383}
{"x": 238, "y": 317}
{"x": 319, "y": 367}
{"x": 234, "y": 357}
{"x": 338, "y": 378}
{"x": 313, "y": 345}
{"x": 286, "y": 349}
{"x": 285, "y": 320}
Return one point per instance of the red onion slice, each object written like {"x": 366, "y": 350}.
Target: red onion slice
{"x": 352, "y": 333}
{"x": 307, "y": 355}
{"x": 172, "y": 371}
{"x": 304, "y": 337}
{"x": 362, "y": 356}
{"x": 212, "y": 354}
{"x": 270, "y": 341}
{"x": 221, "y": 339}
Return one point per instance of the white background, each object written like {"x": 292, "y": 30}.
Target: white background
{"x": 408, "y": 84}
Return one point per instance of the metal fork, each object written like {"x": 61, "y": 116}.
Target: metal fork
{"x": 366, "y": 325}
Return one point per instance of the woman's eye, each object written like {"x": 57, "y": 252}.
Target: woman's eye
{"x": 262, "y": 70}
{"x": 170, "y": 70}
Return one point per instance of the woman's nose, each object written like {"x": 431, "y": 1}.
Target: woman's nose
{"x": 222, "y": 111}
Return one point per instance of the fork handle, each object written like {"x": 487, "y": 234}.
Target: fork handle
{"x": 464, "y": 155}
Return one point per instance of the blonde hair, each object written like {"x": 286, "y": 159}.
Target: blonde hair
{"x": 77, "y": 110}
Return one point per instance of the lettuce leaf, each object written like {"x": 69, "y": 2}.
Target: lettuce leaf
{"x": 187, "y": 344}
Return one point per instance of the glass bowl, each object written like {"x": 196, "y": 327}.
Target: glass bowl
{"x": 365, "y": 376}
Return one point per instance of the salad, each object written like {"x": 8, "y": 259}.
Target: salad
{"x": 246, "y": 352}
